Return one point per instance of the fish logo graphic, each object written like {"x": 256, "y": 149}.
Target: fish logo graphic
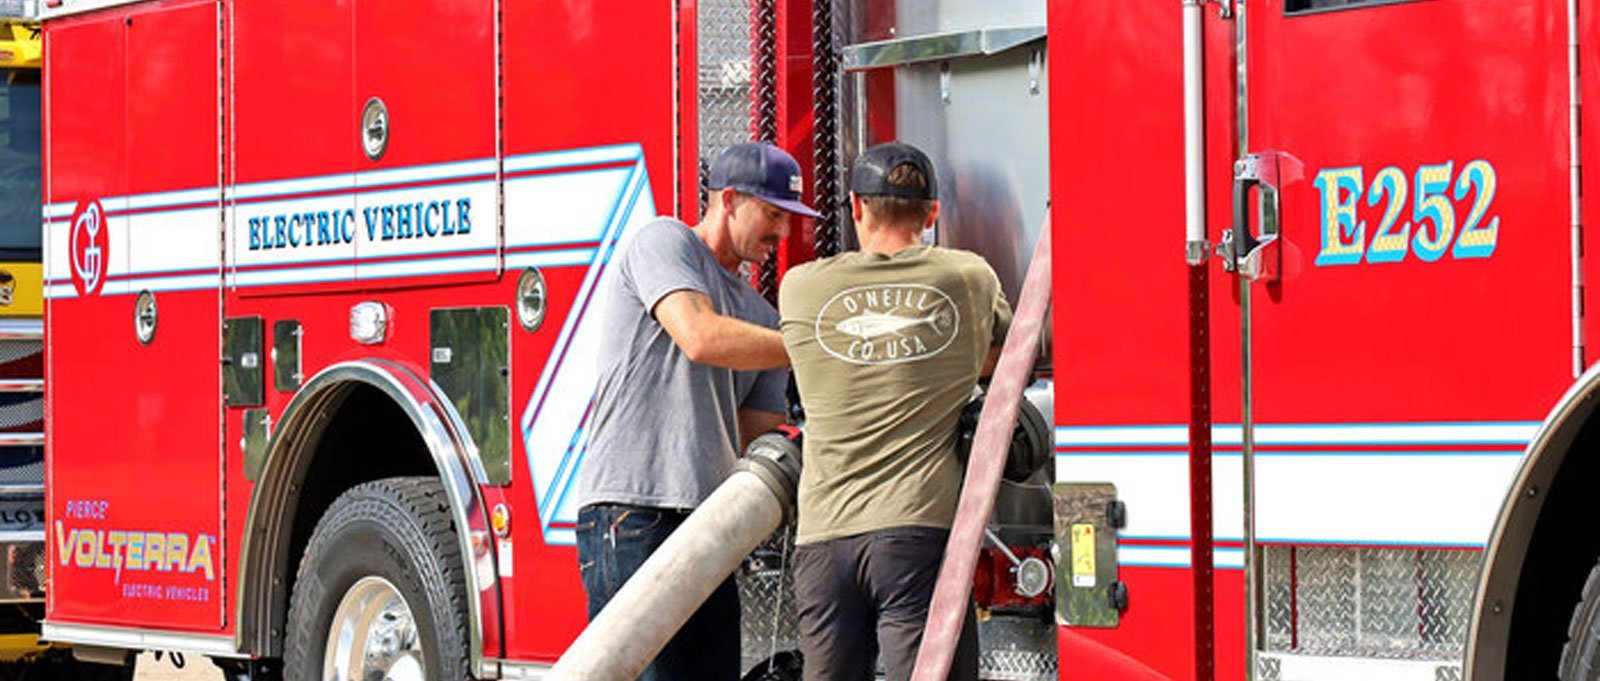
{"x": 887, "y": 323}
{"x": 870, "y": 325}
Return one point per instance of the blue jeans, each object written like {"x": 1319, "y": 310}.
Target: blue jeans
{"x": 613, "y": 541}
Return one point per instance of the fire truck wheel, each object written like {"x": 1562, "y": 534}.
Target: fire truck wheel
{"x": 1580, "y": 659}
{"x": 380, "y": 593}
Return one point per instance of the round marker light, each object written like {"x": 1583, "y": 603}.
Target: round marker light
{"x": 145, "y": 317}
{"x": 369, "y": 323}
{"x": 500, "y": 521}
{"x": 375, "y": 128}
{"x": 530, "y": 299}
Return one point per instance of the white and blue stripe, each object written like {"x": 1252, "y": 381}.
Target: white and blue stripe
{"x": 156, "y": 234}
{"x": 1424, "y": 484}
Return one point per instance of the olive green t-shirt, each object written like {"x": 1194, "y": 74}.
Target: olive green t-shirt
{"x": 886, "y": 351}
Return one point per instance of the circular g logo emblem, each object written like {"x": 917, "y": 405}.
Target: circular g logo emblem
{"x": 88, "y": 248}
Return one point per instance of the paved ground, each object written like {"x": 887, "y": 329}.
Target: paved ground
{"x": 196, "y": 669}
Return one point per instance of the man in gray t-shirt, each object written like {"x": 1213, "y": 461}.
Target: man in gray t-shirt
{"x": 664, "y": 433}
{"x": 691, "y": 369}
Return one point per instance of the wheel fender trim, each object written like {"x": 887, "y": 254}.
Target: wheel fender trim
{"x": 263, "y": 554}
{"x": 1489, "y": 632}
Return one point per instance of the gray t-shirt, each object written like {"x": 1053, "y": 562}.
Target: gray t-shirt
{"x": 665, "y": 429}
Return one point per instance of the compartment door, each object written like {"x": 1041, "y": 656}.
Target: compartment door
{"x": 134, "y": 434}
{"x": 1408, "y": 316}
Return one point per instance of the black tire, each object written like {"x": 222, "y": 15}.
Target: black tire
{"x": 397, "y": 529}
{"x": 1580, "y": 658}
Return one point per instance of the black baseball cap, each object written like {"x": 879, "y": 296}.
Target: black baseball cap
{"x": 763, "y": 171}
{"x": 870, "y": 176}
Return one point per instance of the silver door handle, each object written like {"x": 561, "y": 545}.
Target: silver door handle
{"x": 1256, "y": 256}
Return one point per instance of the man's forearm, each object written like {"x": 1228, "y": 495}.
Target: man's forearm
{"x": 711, "y": 338}
{"x": 735, "y": 344}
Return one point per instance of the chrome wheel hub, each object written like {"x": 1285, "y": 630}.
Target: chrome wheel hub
{"x": 373, "y": 636}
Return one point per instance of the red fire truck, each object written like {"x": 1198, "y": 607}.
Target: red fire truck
{"x": 1353, "y": 445}
{"x": 319, "y": 351}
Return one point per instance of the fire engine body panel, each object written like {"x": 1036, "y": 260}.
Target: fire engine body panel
{"x": 147, "y": 213}
{"x": 1477, "y": 147}
{"x": 292, "y": 248}
{"x": 313, "y": 225}
{"x": 1397, "y": 355}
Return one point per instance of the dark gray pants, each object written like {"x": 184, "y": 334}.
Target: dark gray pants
{"x": 867, "y": 596}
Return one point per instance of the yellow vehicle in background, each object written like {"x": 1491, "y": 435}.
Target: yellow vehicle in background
{"x": 21, "y": 62}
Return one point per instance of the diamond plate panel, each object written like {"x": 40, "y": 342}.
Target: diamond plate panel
{"x": 1016, "y": 665}
{"x": 22, "y": 466}
{"x": 12, "y": 350}
{"x": 1269, "y": 669}
{"x": 768, "y": 623}
{"x": 1276, "y": 583}
{"x": 1014, "y": 648}
{"x": 1358, "y": 602}
{"x": 1449, "y": 581}
{"x": 727, "y": 67}
{"x": 21, "y": 409}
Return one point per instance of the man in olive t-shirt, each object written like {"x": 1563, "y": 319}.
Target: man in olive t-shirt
{"x": 887, "y": 345}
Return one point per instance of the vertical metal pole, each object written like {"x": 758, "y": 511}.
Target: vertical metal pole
{"x": 1575, "y": 118}
{"x": 1200, "y": 499}
{"x": 1196, "y": 250}
{"x": 825, "y": 97}
{"x": 764, "y": 45}
{"x": 1247, "y": 416}
{"x": 677, "y": 109}
{"x": 225, "y": 176}
{"x": 764, "y": 104}
{"x": 1248, "y": 431}
{"x": 1194, "y": 136}
{"x": 500, "y": 135}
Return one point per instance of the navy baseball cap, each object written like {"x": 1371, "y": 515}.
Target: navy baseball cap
{"x": 870, "y": 175}
{"x": 763, "y": 171}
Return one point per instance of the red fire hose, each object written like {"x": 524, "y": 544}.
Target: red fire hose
{"x": 952, "y": 593}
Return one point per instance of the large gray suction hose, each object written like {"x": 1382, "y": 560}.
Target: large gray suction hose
{"x": 679, "y": 576}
